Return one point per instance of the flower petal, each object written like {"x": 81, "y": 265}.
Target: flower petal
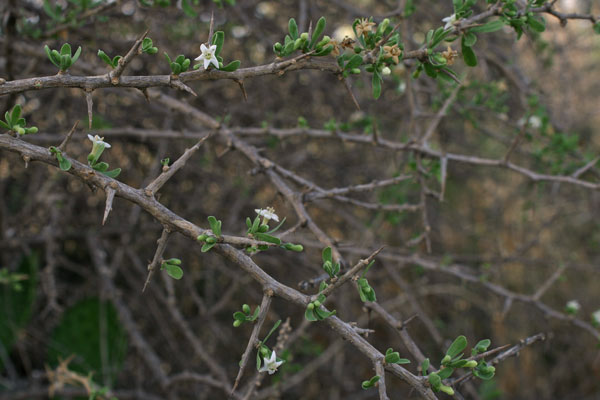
{"x": 203, "y": 48}
{"x": 91, "y": 138}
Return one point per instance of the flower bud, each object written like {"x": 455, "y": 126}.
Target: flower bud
{"x": 446, "y": 359}
{"x": 246, "y": 309}
{"x": 278, "y": 46}
{"x": 471, "y": 364}
{"x": 317, "y": 303}
{"x": 304, "y": 36}
{"x": 211, "y": 240}
{"x": 202, "y": 238}
{"x": 310, "y": 306}
{"x": 237, "y": 323}
{"x": 386, "y": 71}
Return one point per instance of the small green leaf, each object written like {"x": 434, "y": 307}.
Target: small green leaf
{"x": 16, "y": 113}
{"x": 76, "y": 55}
{"x": 267, "y": 238}
{"x": 207, "y": 246}
{"x": 187, "y": 8}
{"x": 101, "y": 166}
{"x": 174, "y": 271}
{"x": 65, "y": 49}
{"x": 293, "y": 28}
{"x": 104, "y": 57}
{"x": 317, "y": 32}
{"x": 309, "y": 314}
{"x": 538, "y": 25}
{"x": 376, "y": 83}
{"x": 63, "y": 163}
{"x": 445, "y": 372}
{"x": 327, "y": 254}
{"x": 232, "y": 66}
{"x": 469, "y": 39}
{"x": 491, "y": 26}
{"x": 435, "y": 381}
{"x": 481, "y": 347}
{"x": 215, "y": 225}
{"x": 113, "y": 174}
{"x": 239, "y": 316}
{"x": 469, "y": 55}
{"x": 218, "y": 39}
{"x": 4, "y": 125}
{"x": 354, "y": 62}
{"x": 457, "y": 346}
{"x": 425, "y": 366}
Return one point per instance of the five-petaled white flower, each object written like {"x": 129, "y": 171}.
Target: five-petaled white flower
{"x": 573, "y": 306}
{"x": 271, "y": 364}
{"x": 208, "y": 56}
{"x": 267, "y": 214}
{"x": 449, "y": 21}
{"x": 97, "y": 140}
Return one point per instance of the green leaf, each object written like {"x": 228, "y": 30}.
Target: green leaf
{"x": 65, "y": 49}
{"x": 597, "y": 27}
{"x": 255, "y": 225}
{"x": 76, "y": 55}
{"x": 267, "y": 238}
{"x": 101, "y": 166}
{"x": 215, "y": 225}
{"x": 457, "y": 346}
{"x": 445, "y": 372}
{"x": 354, "y": 62}
{"x": 248, "y": 222}
{"x": 255, "y": 315}
{"x": 468, "y": 55}
{"x": 538, "y": 25}
{"x": 51, "y": 56}
{"x": 469, "y": 39}
{"x": 175, "y": 68}
{"x": 376, "y": 83}
{"x": 168, "y": 58}
{"x": 239, "y": 316}
{"x": 293, "y": 28}
{"x": 317, "y": 32}
{"x": 425, "y": 366}
{"x": 491, "y": 26}
{"x": 481, "y": 347}
{"x": 309, "y": 314}
{"x": 65, "y": 62}
{"x": 326, "y": 255}
{"x": 115, "y": 61}
{"x": 218, "y": 39}
{"x": 207, "y": 246}
{"x": 113, "y": 174}
{"x": 435, "y": 381}
{"x": 174, "y": 271}
{"x": 4, "y": 125}
{"x": 16, "y": 113}
{"x": 232, "y": 66}
{"x": 104, "y": 57}
{"x": 63, "y": 163}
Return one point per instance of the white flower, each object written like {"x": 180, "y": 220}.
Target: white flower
{"x": 267, "y": 214}
{"x": 534, "y": 122}
{"x": 449, "y": 21}
{"x": 271, "y": 364}
{"x": 97, "y": 140}
{"x": 596, "y": 318}
{"x": 208, "y": 56}
{"x": 386, "y": 71}
{"x": 573, "y": 306}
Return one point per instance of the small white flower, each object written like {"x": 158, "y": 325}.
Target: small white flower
{"x": 208, "y": 56}
{"x": 534, "y": 122}
{"x": 449, "y": 21}
{"x": 596, "y": 318}
{"x": 573, "y": 306}
{"x": 271, "y": 364}
{"x": 98, "y": 140}
{"x": 386, "y": 71}
{"x": 267, "y": 214}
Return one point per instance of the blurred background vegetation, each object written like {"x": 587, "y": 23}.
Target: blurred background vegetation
{"x": 496, "y": 224}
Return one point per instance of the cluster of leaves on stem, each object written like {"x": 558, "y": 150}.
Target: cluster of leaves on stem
{"x": 65, "y": 58}
{"x": 210, "y": 240}
{"x": 172, "y": 266}
{"x": 365, "y": 291}
{"x": 332, "y": 269}
{"x": 245, "y": 315}
{"x": 179, "y": 65}
{"x": 453, "y": 360}
{"x": 259, "y": 229}
{"x": 393, "y": 357}
{"x": 14, "y": 122}
{"x": 295, "y": 41}
{"x": 314, "y": 312}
